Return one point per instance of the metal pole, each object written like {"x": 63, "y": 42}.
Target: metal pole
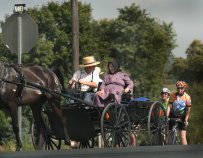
{"x": 19, "y": 62}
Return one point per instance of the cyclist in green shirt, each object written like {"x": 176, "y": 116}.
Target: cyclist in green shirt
{"x": 164, "y": 99}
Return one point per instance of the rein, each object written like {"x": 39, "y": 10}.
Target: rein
{"x": 51, "y": 91}
{"x": 26, "y": 83}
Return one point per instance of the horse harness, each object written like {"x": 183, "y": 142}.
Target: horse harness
{"x": 23, "y": 81}
{"x": 22, "y": 77}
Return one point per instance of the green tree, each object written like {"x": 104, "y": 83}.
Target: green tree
{"x": 102, "y": 41}
{"x": 144, "y": 46}
{"x": 7, "y": 134}
{"x": 179, "y": 68}
{"x": 194, "y": 131}
{"x": 190, "y": 69}
{"x": 195, "y": 60}
{"x": 2, "y": 120}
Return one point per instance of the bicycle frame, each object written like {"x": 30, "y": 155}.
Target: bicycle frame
{"x": 173, "y": 138}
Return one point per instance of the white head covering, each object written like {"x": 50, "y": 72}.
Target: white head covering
{"x": 98, "y": 70}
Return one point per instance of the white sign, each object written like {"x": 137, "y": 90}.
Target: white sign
{"x": 19, "y": 8}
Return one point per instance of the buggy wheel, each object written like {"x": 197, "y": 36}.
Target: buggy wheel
{"x": 115, "y": 126}
{"x": 49, "y": 140}
{"x": 157, "y": 125}
{"x": 86, "y": 144}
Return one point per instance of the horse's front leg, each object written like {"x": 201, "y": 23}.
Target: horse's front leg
{"x": 14, "y": 116}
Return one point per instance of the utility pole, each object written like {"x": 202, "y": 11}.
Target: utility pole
{"x": 75, "y": 35}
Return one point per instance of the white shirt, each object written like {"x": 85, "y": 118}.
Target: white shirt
{"x": 81, "y": 74}
{"x": 100, "y": 80}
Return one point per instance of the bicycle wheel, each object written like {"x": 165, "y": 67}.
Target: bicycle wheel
{"x": 173, "y": 139}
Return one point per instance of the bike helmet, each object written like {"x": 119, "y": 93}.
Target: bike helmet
{"x": 165, "y": 90}
{"x": 181, "y": 84}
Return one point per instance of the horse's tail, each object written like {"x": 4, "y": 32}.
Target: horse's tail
{"x": 60, "y": 77}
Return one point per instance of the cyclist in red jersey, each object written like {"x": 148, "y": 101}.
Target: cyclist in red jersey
{"x": 179, "y": 107}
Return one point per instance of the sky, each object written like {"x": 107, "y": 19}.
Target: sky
{"x": 186, "y": 15}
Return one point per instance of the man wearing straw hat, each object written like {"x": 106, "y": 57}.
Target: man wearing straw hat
{"x": 87, "y": 77}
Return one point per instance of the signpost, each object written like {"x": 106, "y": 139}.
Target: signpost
{"x": 20, "y": 34}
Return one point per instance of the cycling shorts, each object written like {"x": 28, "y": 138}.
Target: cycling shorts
{"x": 181, "y": 125}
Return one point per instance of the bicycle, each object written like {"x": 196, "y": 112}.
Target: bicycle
{"x": 173, "y": 139}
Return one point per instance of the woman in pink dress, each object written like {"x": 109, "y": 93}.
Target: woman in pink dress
{"x": 115, "y": 82}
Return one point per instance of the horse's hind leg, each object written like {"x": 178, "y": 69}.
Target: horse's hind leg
{"x": 55, "y": 104}
{"x": 36, "y": 111}
{"x": 14, "y": 115}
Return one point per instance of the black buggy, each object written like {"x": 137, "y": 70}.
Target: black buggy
{"x": 116, "y": 123}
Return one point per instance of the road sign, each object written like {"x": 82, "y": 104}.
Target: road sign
{"x": 28, "y": 29}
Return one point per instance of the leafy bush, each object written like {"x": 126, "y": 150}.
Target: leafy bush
{"x": 196, "y": 118}
{"x": 7, "y": 136}
{"x": 2, "y": 120}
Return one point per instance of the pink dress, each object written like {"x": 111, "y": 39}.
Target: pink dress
{"x": 112, "y": 84}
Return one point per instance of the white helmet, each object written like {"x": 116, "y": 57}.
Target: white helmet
{"x": 165, "y": 90}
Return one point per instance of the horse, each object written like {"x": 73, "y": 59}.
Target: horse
{"x": 14, "y": 92}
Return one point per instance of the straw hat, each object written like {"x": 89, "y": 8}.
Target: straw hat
{"x": 89, "y": 61}
{"x": 98, "y": 70}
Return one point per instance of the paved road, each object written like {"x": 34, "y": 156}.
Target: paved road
{"x": 190, "y": 151}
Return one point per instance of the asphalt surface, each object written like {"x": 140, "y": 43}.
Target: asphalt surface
{"x": 190, "y": 151}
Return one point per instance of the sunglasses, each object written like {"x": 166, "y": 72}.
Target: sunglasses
{"x": 180, "y": 88}
{"x": 164, "y": 93}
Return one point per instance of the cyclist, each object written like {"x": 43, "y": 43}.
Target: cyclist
{"x": 179, "y": 108}
{"x": 164, "y": 99}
